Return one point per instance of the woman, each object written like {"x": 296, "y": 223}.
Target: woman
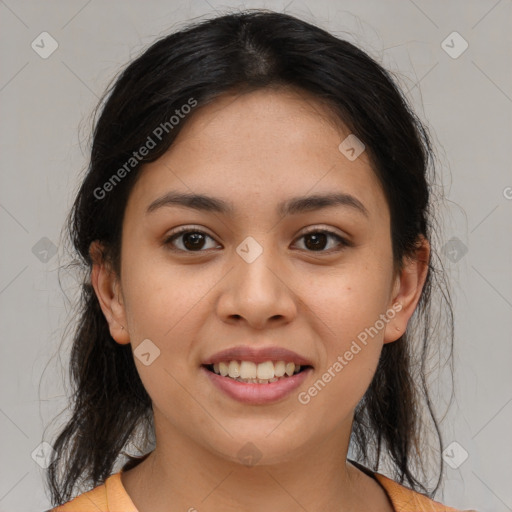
{"x": 255, "y": 227}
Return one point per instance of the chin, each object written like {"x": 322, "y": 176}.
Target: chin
{"x": 256, "y": 447}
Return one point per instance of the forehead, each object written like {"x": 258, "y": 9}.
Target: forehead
{"x": 257, "y": 149}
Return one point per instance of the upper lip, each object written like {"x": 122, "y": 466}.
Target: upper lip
{"x": 257, "y": 355}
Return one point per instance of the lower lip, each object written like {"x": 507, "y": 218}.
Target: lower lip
{"x": 257, "y": 393}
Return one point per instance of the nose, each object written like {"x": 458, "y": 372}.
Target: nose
{"x": 257, "y": 292}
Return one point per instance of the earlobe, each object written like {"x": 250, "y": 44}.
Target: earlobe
{"x": 107, "y": 288}
{"x": 407, "y": 290}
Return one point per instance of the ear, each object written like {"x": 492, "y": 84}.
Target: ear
{"x": 407, "y": 289}
{"x": 108, "y": 291}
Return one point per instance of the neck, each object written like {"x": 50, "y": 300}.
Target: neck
{"x": 190, "y": 477}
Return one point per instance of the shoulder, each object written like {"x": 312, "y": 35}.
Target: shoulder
{"x": 112, "y": 497}
{"x": 407, "y": 500}
{"x": 107, "y": 497}
{"x": 95, "y": 499}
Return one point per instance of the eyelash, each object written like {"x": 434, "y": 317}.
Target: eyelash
{"x": 184, "y": 230}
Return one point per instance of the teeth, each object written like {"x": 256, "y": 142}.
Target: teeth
{"x": 262, "y": 373}
{"x": 248, "y": 370}
{"x": 289, "y": 369}
{"x": 223, "y": 368}
{"x": 266, "y": 370}
{"x": 279, "y": 368}
{"x": 234, "y": 369}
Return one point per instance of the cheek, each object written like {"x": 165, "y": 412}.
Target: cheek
{"x": 347, "y": 302}
{"x": 160, "y": 296}
{"x": 348, "y": 308}
{"x": 335, "y": 392}
{"x": 167, "y": 306}
{"x": 348, "y": 316}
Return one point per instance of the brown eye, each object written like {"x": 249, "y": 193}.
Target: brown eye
{"x": 316, "y": 240}
{"x": 191, "y": 240}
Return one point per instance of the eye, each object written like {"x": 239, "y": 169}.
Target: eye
{"x": 316, "y": 240}
{"x": 193, "y": 240}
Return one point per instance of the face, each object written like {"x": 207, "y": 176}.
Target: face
{"x": 311, "y": 279}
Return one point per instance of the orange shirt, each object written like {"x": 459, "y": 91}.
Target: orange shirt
{"x": 112, "y": 497}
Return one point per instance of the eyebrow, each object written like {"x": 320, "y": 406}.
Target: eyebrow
{"x": 292, "y": 206}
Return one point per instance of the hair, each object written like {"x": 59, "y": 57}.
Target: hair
{"x": 239, "y": 53}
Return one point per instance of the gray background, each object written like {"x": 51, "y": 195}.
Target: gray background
{"x": 46, "y": 107}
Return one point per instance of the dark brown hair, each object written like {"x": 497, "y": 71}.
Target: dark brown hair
{"x": 241, "y": 52}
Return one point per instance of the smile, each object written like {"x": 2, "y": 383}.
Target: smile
{"x": 252, "y": 373}
{"x": 252, "y": 383}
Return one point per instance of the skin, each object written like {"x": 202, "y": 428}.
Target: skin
{"x": 255, "y": 150}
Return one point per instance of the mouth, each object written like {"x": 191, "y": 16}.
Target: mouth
{"x": 255, "y": 390}
{"x": 249, "y": 372}
{"x": 253, "y": 375}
